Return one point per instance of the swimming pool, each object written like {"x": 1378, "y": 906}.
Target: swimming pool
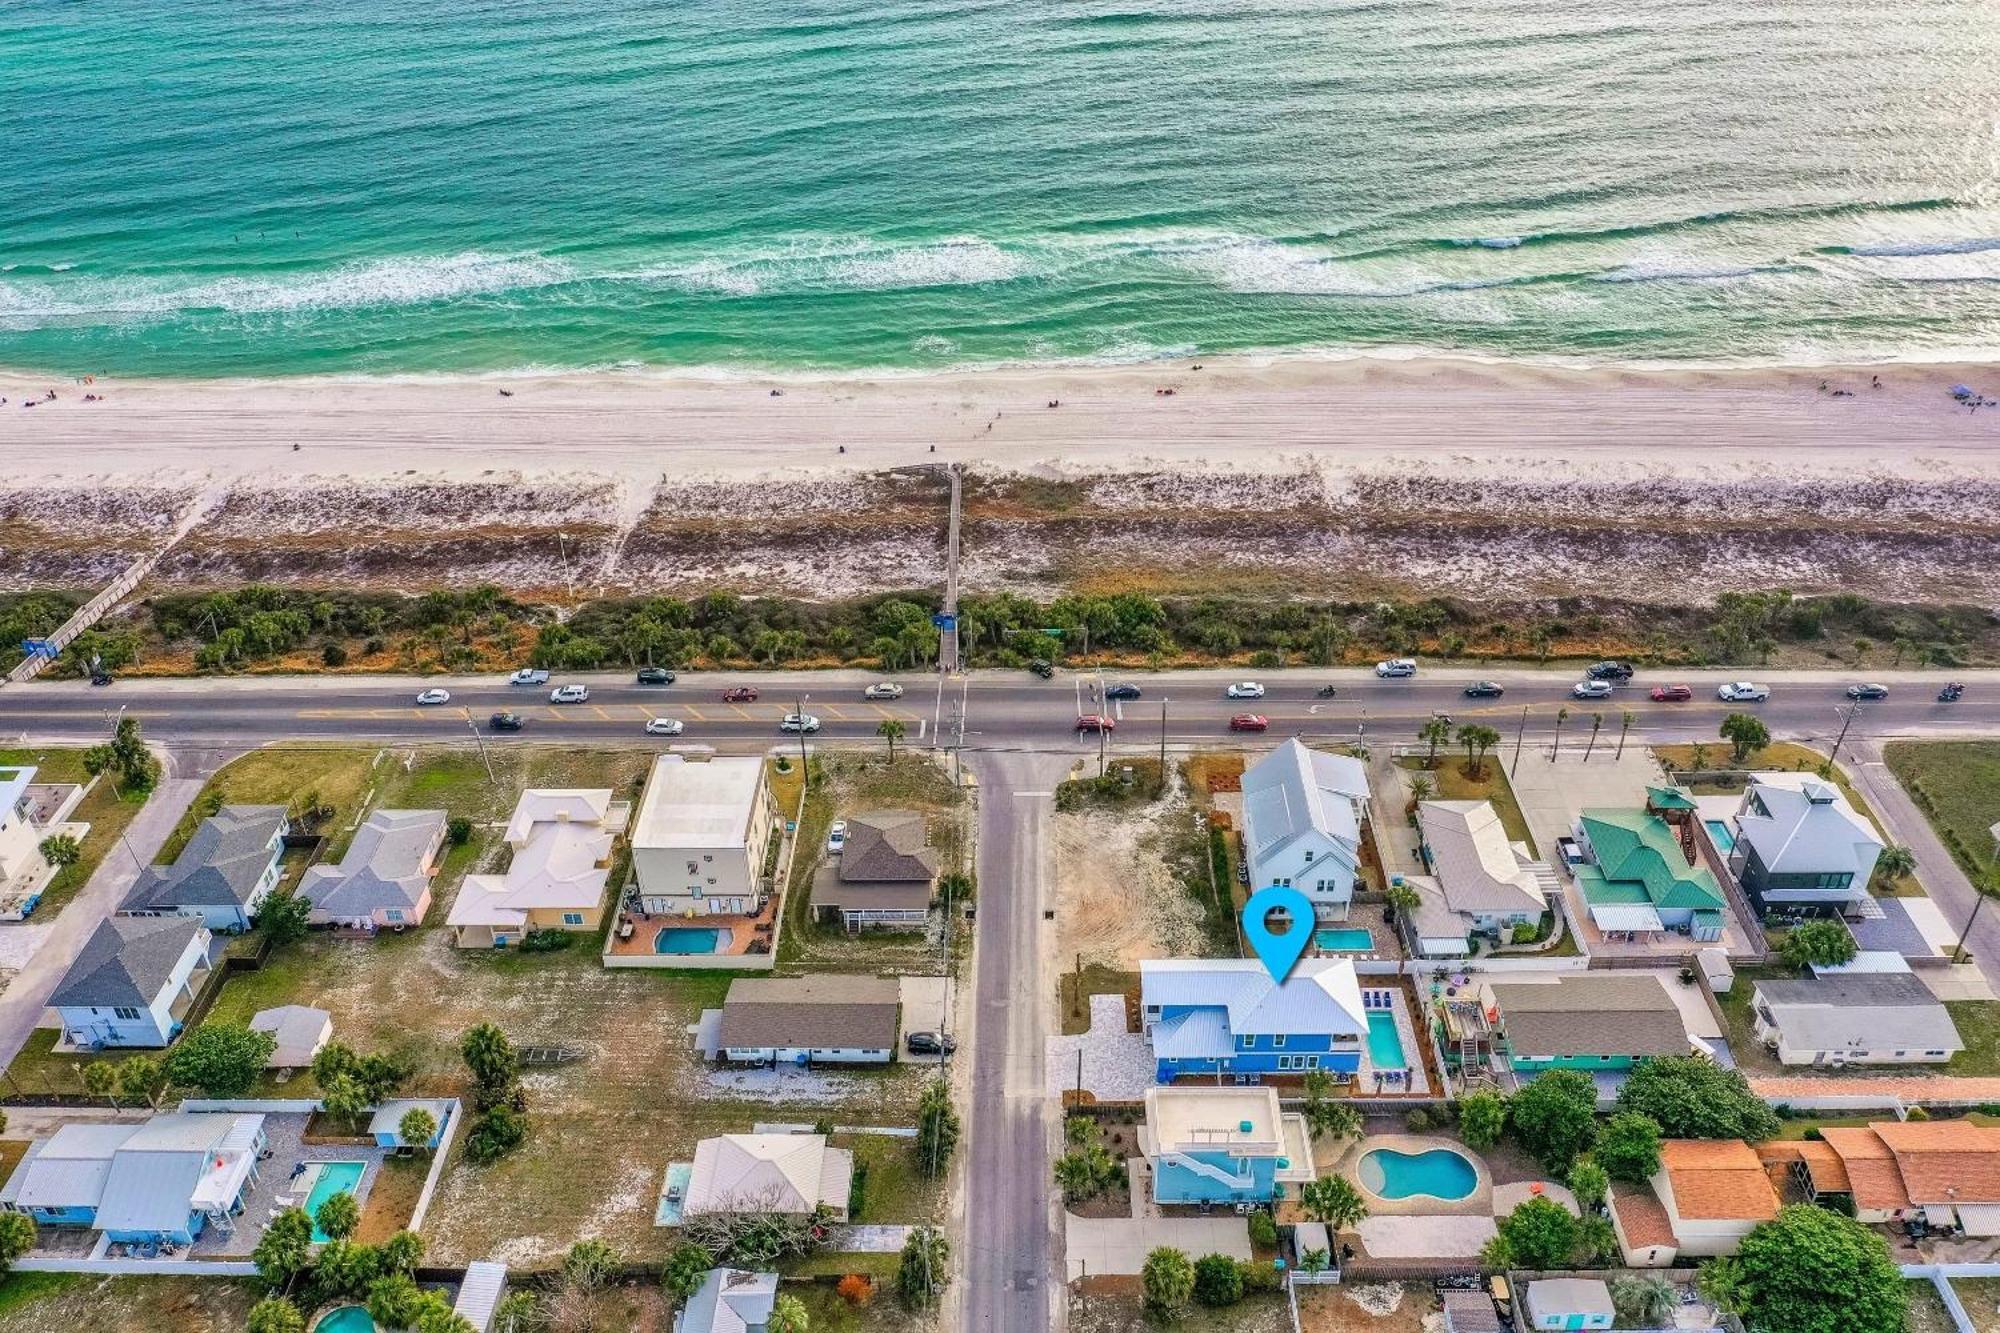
{"x": 690, "y": 939}
{"x": 329, "y": 1179}
{"x": 1348, "y": 939}
{"x": 1385, "y": 1044}
{"x": 1719, "y": 834}
{"x": 1439, "y": 1173}
{"x": 347, "y": 1319}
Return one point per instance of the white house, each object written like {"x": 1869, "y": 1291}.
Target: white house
{"x": 810, "y": 1020}
{"x": 1302, "y": 816}
{"x": 701, "y": 836}
{"x": 223, "y": 875}
{"x": 562, "y": 840}
{"x": 769, "y": 1173}
{"x": 1800, "y": 846}
{"x": 1865, "y": 1018}
{"x": 24, "y": 871}
{"x": 1481, "y": 881}
{"x": 133, "y": 982}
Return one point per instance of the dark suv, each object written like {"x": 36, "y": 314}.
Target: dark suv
{"x": 1122, "y": 690}
{"x": 929, "y": 1043}
{"x": 1040, "y": 666}
{"x": 505, "y": 722}
{"x": 655, "y": 676}
{"x": 1618, "y": 672}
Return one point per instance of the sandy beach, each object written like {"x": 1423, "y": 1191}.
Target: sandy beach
{"x": 1353, "y": 479}
{"x": 1443, "y": 416}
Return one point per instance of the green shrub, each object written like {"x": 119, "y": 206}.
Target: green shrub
{"x": 1263, "y": 1229}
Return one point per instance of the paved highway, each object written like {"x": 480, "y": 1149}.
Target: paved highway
{"x": 1002, "y": 710}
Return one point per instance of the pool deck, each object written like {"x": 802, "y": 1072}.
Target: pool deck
{"x": 1478, "y": 1203}
{"x": 1413, "y": 1048}
{"x": 285, "y": 1130}
{"x": 743, "y": 932}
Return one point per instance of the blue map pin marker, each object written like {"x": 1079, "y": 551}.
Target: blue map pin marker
{"x": 1280, "y": 953}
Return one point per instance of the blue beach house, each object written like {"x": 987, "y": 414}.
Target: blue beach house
{"x": 1226, "y": 1017}
{"x": 1223, "y": 1145}
{"x": 162, "y": 1182}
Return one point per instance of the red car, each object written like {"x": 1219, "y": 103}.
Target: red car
{"x": 1672, "y": 694}
{"x": 742, "y": 694}
{"x": 1249, "y": 722}
{"x": 1095, "y": 722}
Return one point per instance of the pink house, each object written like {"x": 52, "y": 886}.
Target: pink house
{"x": 384, "y": 881}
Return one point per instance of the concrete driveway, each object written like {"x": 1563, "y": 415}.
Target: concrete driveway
{"x": 1100, "y": 1246}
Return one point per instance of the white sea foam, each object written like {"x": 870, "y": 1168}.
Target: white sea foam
{"x": 1967, "y": 246}
{"x": 357, "y": 285}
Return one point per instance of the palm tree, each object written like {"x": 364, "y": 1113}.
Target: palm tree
{"x": 890, "y": 730}
{"x": 788, "y": 1315}
{"x": 1434, "y": 733}
{"x": 1562, "y": 716}
{"x": 1893, "y": 863}
{"x": 1626, "y": 718}
{"x": 1596, "y": 725}
{"x": 1421, "y": 788}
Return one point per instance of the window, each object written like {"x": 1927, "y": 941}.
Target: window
{"x": 125, "y": 1012}
{"x": 1309, "y": 856}
{"x": 393, "y": 913}
{"x": 1277, "y": 1041}
{"x": 572, "y": 918}
{"x": 1311, "y": 1061}
{"x": 1285, "y": 883}
{"x": 708, "y": 856}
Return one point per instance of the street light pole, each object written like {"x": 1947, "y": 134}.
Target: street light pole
{"x": 1846, "y": 719}
{"x": 1163, "y": 745}
{"x": 1980, "y": 891}
{"x": 800, "y": 711}
{"x": 1519, "y": 736}
{"x": 480, "y": 741}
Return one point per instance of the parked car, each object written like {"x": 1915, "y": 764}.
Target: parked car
{"x": 800, "y": 722}
{"x": 1249, "y": 722}
{"x": 836, "y": 837}
{"x": 1618, "y": 672}
{"x": 1395, "y": 667}
{"x": 434, "y": 696}
{"x": 665, "y": 726}
{"x": 1123, "y": 691}
{"x": 739, "y": 694}
{"x": 569, "y": 694}
{"x": 883, "y": 689}
{"x": 1672, "y": 694}
{"x": 1095, "y": 722}
{"x": 1042, "y": 667}
{"x": 506, "y": 722}
{"x": 1484, "y": 689}
{"x": 1245, "y": 689}
{"x": 1869, "y": 691}
{"x": 1742, "y": 691}
{"x": 99, "y": 676}
{"x": 529, "y": 676}
{"x": 929, "y": 1043}
{"x": 1591, "y": 689}
{"x": 655, "y": 676}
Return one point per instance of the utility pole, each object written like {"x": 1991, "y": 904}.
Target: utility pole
{"x": 799, "y": 710}
{"x": 1519, "y": 736}
{"x": 1846, "y": 720}
{"x": 480, "y": 741}
{"x": 562, "y": 548}
{"x": 1982, "y": 885}
{"x": 1163, "y": 745}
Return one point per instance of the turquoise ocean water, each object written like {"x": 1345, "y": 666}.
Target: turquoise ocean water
{"x": 256, "y": 188}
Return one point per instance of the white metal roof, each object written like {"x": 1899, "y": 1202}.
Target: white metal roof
{"x": 706, "y": 804}
{"x": 775, "y": 1173}
{"x": 1806, "y": 827}
{"x": 1294, "y": 790}
{"x": 1322, "y": 995}
{"x": 480, "y": 1293}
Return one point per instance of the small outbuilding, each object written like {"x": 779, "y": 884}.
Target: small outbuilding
{"x": 1569, "y": 1303}
{"x": 386, "y": 1125}
{"x": 300, "y": 1031}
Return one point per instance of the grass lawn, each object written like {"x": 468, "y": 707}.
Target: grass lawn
{"x": 1981, "y": 1298}
{"x": 897, "y": 1191}
{"x": 1450, "y": 782}
{"x": 848, "y": 783}
{"x": 1957, "y": 785}
{"x": 296, "y": 776}
{"x": 38, "y": 1302}
{"x": 1927, "y": 1313}
{"x": 102, "y": 808}
{"x": 1978, "y": 1023}
{"x": 602, "y": 1129}
{"x": 1073, "y": 990}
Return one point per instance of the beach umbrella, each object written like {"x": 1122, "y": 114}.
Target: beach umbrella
{"x": 1961, "y": 391}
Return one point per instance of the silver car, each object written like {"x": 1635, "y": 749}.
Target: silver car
{"x": 887, "y": 689}
{"x": 665, "y": 726}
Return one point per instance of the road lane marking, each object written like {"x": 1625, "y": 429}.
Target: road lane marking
{"x": 695, "y": 713}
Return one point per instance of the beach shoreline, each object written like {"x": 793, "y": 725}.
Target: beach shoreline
{"x": 1252, "y": 414}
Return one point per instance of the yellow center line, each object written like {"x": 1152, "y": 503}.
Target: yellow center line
{"x": 695, "y": 713}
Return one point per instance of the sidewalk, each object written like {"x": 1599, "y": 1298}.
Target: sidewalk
{"x": 27, "y": 995}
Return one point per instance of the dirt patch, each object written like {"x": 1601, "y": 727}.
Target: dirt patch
{"x": 1120, "y": 901}
{"x": 1369, "y": 1307}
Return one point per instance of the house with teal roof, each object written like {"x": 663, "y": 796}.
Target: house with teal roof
{"x": 1642, "y": 870}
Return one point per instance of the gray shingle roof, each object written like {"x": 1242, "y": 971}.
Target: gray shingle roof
{"x": 383, "y": 868}
{"x": 126, "y": 961}
{"x": 1591, "y": 1015}
{"x": 220, "y": 865}
{"x": 887, "y": 845}
{"x": 1872, "y": 1010}
{"x": 815, "y": 1012}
